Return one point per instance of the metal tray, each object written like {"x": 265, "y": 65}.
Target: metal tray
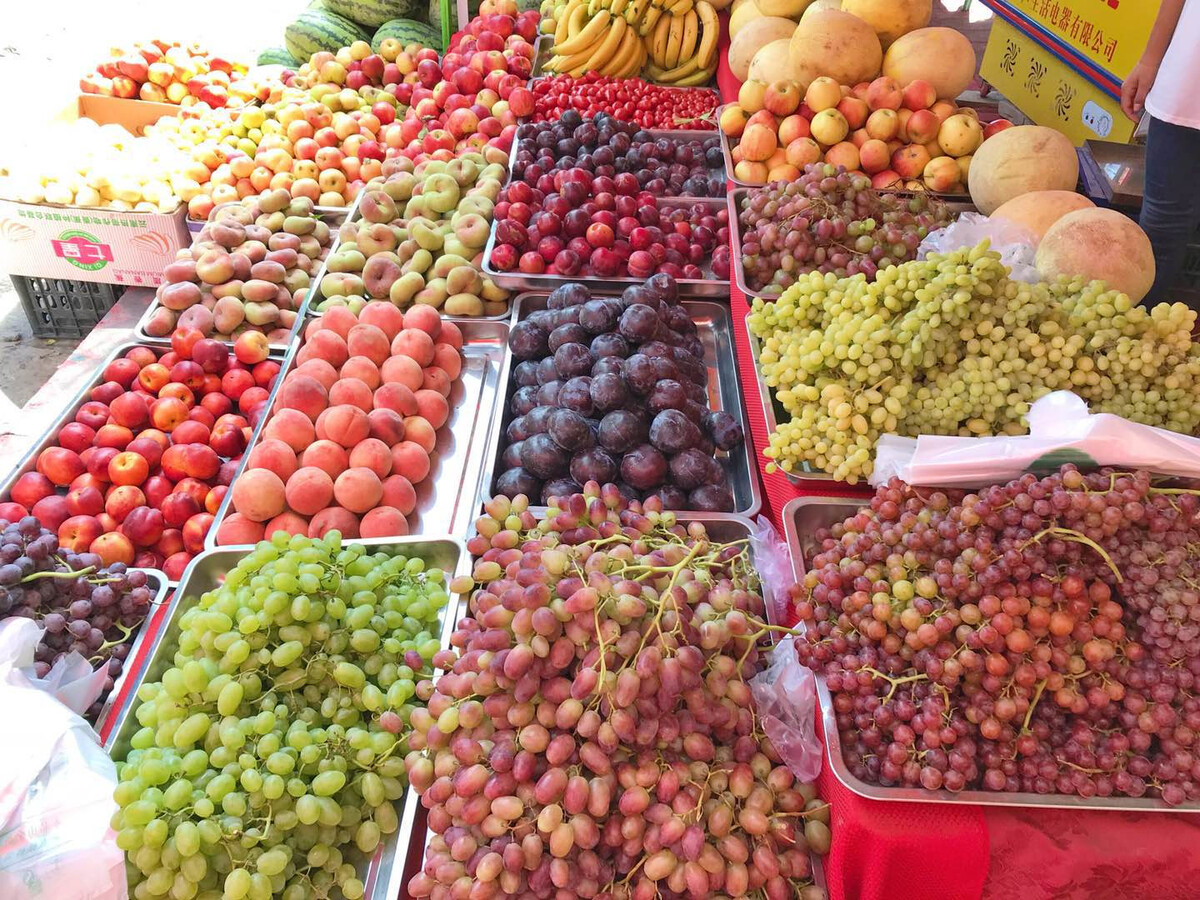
{"x": 28, "y": 462}
{"x": 447, "y": 500}
{"x": 736, "y": 195}
{"x": 724, "y": 392}
{"x": 710, "y": 287}
{"x": 802, "y": 517}
{"x": 157, "y": 582}
{"x": 384, "y": 877}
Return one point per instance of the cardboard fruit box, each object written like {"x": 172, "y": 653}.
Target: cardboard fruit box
{"x": 84, "y": 244}
{"x": 132, "y": 115}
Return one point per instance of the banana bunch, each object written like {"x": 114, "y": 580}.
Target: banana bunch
{"x": 681, "y": 41}
{"x": 675, "y": 40}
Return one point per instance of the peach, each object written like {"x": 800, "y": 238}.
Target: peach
{"x": 387, "y": 425}
{"x": 387, "y": 318}
{"x": 410, "y": 460}
{"x": 372, "y": 454}
{"x": 451, "y": 334}
{"x": 358, "y": 489}
{"x": 213, "y": 501}
{"x": 404, "y": 370}
{"x": 352, "y": 391}
{"x": 84, "y": 501}
{"x": 288, "y": 522}
{"x": 436, "y": 379}
{"x": 326, "y": 345}
{"x": 333, "y": 518}
{"x": 53, "y": 510}
{"x": 121, "y": 501}
{"x": 363, "y": 369}
{"x": 76, "y": 437}
{"x": 449, "y": 359}
{"x": 258, "y": 494}
{"x": 177, "y": 391}
{"x": 415, "y": 344}
{"x": 195, "y": 530}
{"x": 338, "y": 319}
{"x": 190, "y": 461}
{"x": 368, "y": 341}
{"x": 383, "y": 521}
{"x": 144, "y": 526}
{"x": 236, "y": 382}
{"x": 418, "y": 430}
{"x": 33, "y": 486}
{"x": 158, "y": 487}
{"x": 178, "y": 507}
{"x": 77, "y": 533}
{"x": 327, "y": 456}
{"x": 397, "y": 397}
{"x": 194, "y": 487}
{"x": 12, "y": 512}
{"x": 170, "y": 543}
{"x": 116, "y": 436}
{"x": 251, "y": 347}
{"x": 168, "y": 412}
{"x": 176, "y": 564}
{"x": 237, "y": 529}
{"x": 93, "y": 414}
{"x": 128, "y": 468}
{"x": 252, "y": 399}
{"x": 292, "y": 427}
{"x": 60, "y": 465}
{"x": 399, "y": 493}
{"x": 304, "y": 394}
{"x": 190, "y": 432}
{"x": 320, "y": 370}
{"x": 309, "y": 490}
{"x": 129, "y": 410}
{"x": 345, "y": 424}
{"x": 276, "y": 456}
{"x": 423, "y": 318}
{"x": 432, "y": 406}
{"x": 265, "y": 372}
{"x": 113, "y": 548}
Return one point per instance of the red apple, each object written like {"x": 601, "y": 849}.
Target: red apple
{"x": 76, "y": 436}
{"x": 156, "y": 489}
{"x": 51, "y": 511}
{"x": 30, "y": 488}
{"x": 143, "y": 526}
{"x": 85, "y": 501}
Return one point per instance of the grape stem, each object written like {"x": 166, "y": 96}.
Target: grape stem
{"x": 1068, "y": 534}
{"x": 50, "y": 574}
{"x": 1037, "y": 695}
{"x": 894, "y": 682}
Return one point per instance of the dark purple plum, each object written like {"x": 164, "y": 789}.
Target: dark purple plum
{"x": 657, "y": 348}
{"x": 725, "y": 431}
{"x": 667, "y": 394}
{"x": 518, "y": 481}
{"x": 560, "y": 487}
{"x": 608, "y": 392}
{"x": 622, "y": 430}
{"x": 711, "y": 498}
{"x": 524, "y": 400}
{"x": 644, "y": 467}
{"x": 638, "y": 323}
{"x": 639, "y": 374}
{"x": 663, "y": 287}
{"x": 609, "y": 345}
{"x": 570, "y": 333}
{"x": 677, "y": 317}
{"x": 542, "y": 458}
{"x": 695, "y": 392}
{"x": 547, "y": 394}
{"x": 672, "y": 432}
{"x": 598, "y": 316}
{"x": 593, "y": 464}
{"x": 572, "y": 294}
{"x": 528, "y": 341}
{"x": 569, "y": 430}
{"x": 511, "y": 457}
{"x": 671, "y": 497}
{"x": 607, "y": 365}
{"x": 573, "y": 359}
{"x": 525, "y": 374}
{"x": 692, "y": 368}
{"x": 546, "y": 371}
{"x": 664, "y": 367}
{"x": 690, "y": 469}
{"x": 537, "y": 420}
{"x": 516, "y": 430}
{"x": 576, "y": 395}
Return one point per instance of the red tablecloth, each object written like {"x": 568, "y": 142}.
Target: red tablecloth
{"x": 918, "y": 851}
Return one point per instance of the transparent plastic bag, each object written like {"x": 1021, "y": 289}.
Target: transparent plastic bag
{"x": 56, "y": 782}
{"x": 774, "y": 567}
{"x": 1061, "y": 430}
{"x": 785, "y": 698}
{"x": 1016, "y": 246}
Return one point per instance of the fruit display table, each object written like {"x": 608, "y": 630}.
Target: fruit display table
{"x": 921, "y": 851}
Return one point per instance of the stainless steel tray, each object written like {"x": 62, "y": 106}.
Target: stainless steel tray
{"x": 772, "y": 413}
{"x": 156, "y": 581}
{"x": 333, "y": 215}
{"x": 28, "y": 462}
{"x": 802, "y": 517}
{"x": 724, "y": 393}
{"x": 710, "y": 286}
{"x": 448, "y": 499}
{"x": 384, "y": 878}
{"x": 735, "y": 238}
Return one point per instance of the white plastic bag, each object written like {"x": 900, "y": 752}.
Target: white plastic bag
{"x": 785, "y": 698}
{"x": 1061, "y": 430}
{"x": 1016, "y": 246}
{"x": 773, "y": 564}
{"x": 56, "y": 782}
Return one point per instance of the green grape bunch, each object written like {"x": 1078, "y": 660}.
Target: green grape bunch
{"x": 271, "y": 753}
{"x": 951, "y": 345}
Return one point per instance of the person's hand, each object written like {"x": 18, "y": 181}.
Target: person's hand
{"x": 1135, "y": 88}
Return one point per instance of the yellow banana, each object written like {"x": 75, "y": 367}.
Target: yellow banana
{"x": 679, "y": 7}
{"x": 560, "y": 31}
{"x": 670, "y": 76}
{"x": 658, "y": 44}
{"x": 700, "y": 76}
{"x": 691, "y": 29}
{"x": 710, "y": 32}
{"x": 588, "y": 35}
{"x": 635, "y": 64}
{"x": 674, "y": 39}
{"x": 576, "y": 61}
{"x": 607, "y": 47}
{"x": 632, "y": 11}
{"x": 650, "y": 19}
{"x": 617, "y": 7}
{"x": 574, "y": 23}
{"x": 619, "y": 61}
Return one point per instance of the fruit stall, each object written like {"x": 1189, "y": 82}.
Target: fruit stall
{"x": 602, "y": 449}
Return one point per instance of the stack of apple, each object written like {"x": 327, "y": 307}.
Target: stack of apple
{"x": 165, "y": 72}
{"x": 353, "y": 427}
{"x": 248, "y": 270}
{"x": 419, "y": 239}
{"x": 138, "y": 474}
{"x": 357, "y": 66}
{"x": 903, "y": 137}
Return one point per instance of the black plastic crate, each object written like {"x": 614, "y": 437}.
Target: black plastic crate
{"x": 61, "y": 308}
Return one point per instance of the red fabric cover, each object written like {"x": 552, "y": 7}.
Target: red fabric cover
{"x": 924, "y": 851}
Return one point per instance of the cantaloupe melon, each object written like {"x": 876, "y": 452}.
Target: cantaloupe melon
{"x": 891, "y": 19}
{"x": 837, "y": 44}
{"x": 791, "y": 9}
{"x": 942, "y": 56}
{"x": 1099, "y": 245}
{"x": 1018, "y": 160}
{"x": 753, "y": 37}
{"x": 743, "y": 15}
{"x": 818, "y": 5}
{"x": 1038, "y": 210}
{"x": 773, "y": 63}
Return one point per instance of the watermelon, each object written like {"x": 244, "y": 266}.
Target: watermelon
{"x": 435, "y": 14}
{"x": 371, "y": 13}
{"x": 316, "y": 30}
{"x": 277, "y": 56}
{"x": 407, "y": 31}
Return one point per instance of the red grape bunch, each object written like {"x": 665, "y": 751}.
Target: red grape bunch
{"x": 593, "y": 734}
{"x": 1040, "y": 636}
{"x": 84, "y": 608}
